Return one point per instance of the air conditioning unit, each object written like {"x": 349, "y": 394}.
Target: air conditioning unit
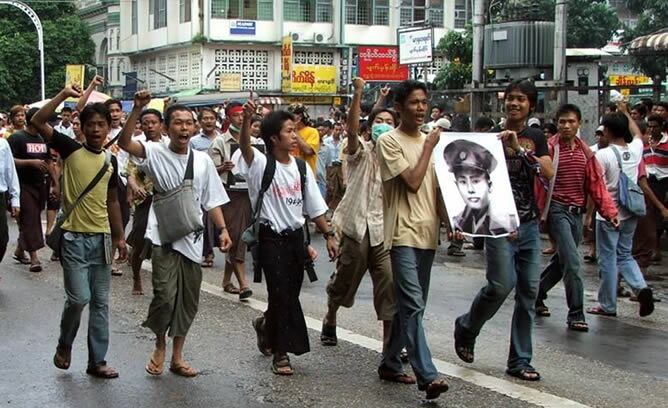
{"x": 319, "y": 38}
{"x": 297, "y": 37}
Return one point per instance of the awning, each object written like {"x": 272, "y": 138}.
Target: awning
{"x": 652, "y": 44}
{"x": 269, "y": 100}
{"x": 212, "y": 99}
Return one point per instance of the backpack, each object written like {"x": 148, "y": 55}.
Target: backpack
{"x": 630, "y": 195}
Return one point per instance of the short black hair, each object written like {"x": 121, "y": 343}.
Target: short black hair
{"x": 200, "y": 114}
{"x": 29, "y": 114}
{"x": 92, "y": 109}
{"x": 618, "y": 125}
{"x": 272, "y": 125}
{"x": 612, "y": 106}
{"x": 663, "y": 104}
{"x": 483, "y": 122}
{"x": 526, "y": 87}
{"x": 375, "y": 112}
{"x": 113, "y": 101}
{"x": 640, "y": 108}
{"x": 568, "y": 108}
{"x": 326, "y": 124}
{"x": 642, "y": 126}
{"x": 405, "y": 88}
{"x": 151, "y": 111}
{"x": 66, "y": 109}
{"x": 177, "y": 107}
{"x": 656, "y": 118}
{"x": 551, "y": 127}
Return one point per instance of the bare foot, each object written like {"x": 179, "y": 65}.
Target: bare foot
{"x": 137, "y": 289}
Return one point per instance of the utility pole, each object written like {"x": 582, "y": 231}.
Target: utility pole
{"x": 560, "y": 26}
{"x": 477, "y": 62}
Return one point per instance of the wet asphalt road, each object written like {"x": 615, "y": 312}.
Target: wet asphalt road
{"x": 620, "y": 362}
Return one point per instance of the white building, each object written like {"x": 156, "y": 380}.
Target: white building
{"x": 177, "y": 45}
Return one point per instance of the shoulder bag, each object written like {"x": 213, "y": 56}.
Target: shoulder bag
{"x": 629, "y": 194}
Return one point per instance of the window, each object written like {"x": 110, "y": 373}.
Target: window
{"x": 134, "y": 17}
{"x": 243, "y": 9}
{"x": 159, "y": 13}
{"x": 436, "y": 13}
{"x": 367, "y": 12}
{"x": 308, "y": 10}
{"x": 461, "y": 13}
{"x": 184, "y": 11}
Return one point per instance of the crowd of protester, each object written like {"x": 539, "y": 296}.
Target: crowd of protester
{"x": 241, "y": 177}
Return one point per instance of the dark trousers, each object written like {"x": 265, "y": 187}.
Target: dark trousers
{"x": 4, "y": 231}
{"x": 282, "y": 260}
{"x": 33, "y": 202}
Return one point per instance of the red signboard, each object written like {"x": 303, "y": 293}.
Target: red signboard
{"x": 381, "y": 64}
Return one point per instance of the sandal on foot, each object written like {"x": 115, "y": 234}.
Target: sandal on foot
{"x": 281, "y": 365}
{"x": 434, "y": 389}
{"x": 543, "y": 311}
{"x": 62, "y": 358}
{"x": 156, "y": 364}
{"x": 245, "y": 293}
{"x": 258, "y": 325}
{"x": 464, "y": 350}
{"x": 183, "y": 370}
{"x": 23, "y": 260}
{"x": 456, "y": 252}
{"x": 102, "y": 371}
{"x": 526, "y": 374}
{"x": 597, "y": 310}
{"x": 580, "y": 326}
{"x": 230, "y": 288}
{"x": 646, "y": 300}
{"x": 116, "y": 272}
{"x": 386, "y": 374}
{"x": 328, "y": 335}
{"x": 403, "y": 355}
{"x": 35, "y": 268}
{"x": 54, "y": 257}
{"x": 208, "y": 263}
{"x": 592, "y": 259}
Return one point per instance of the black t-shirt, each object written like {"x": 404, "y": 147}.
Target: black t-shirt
{"x": 522, "y": 175}
{"x": 29, "y": 147}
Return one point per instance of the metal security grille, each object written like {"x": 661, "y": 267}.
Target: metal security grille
{"x": 245, "y": 9}
{"x": 308, "y": 10}
{"x": 367, "y": 12}
{"x": 252, "y": 64}
{"x": 314, "y": 57}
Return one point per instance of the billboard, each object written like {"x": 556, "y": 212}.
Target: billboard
{"x": 415, "y": 45}
{"x": 313, "y": 79}
{"x": 381, "y": 64}
{"x": 286, "y": 64}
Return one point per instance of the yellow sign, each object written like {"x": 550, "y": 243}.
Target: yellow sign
{"x": 314, "y": 79}
{"x": 621, "y": 80}
{"x": 74, "y": 75}
{"x": 230, "y": 82}
{"x": 286, "y": 64}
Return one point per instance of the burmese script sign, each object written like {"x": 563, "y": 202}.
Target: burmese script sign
{"x": 381, "y": 64}
{"x": 313, "y": 79}
{"x": 415, "y": 45}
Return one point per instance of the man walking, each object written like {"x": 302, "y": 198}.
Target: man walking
{"x": 411, "y": 226}
{"x": 9, "y": 188}
{"x": 86, "y": 247}
{"x": 577, "y": 176}
{"x": 177, "y": 274}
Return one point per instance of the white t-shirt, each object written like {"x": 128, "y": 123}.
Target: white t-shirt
{"x": 282, "y": 205}
{"x": 68, "y": 131}
{"x": 631, "y": 155}
{"x": 167, "y": 170}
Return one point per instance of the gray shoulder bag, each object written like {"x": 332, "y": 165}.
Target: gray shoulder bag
{"x": 176, "y": 210}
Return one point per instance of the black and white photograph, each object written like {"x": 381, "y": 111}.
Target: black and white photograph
{"x": 474, "y": 182}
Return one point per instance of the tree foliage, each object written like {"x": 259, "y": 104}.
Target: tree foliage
{"x": 66, "y": 41}
{"x": 457, "y": 47}
{"x": 652, "y": 16}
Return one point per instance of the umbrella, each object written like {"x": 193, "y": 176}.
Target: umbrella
{"x": 94, "y": 97}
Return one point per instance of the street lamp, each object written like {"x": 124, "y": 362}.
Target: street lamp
{"x": 40, "y": 34}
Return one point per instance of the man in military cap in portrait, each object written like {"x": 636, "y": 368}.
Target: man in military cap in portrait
{"x": 472, "y": 165}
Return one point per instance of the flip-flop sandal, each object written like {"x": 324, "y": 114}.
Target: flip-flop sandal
{"x": 597, "y": 310}
{"x": 62, "y": 358}
{"x": 183, "y": 370}
{"x": 456, "y": 252}
{"x": 230, "y": 288}
{"x": 35, "y": 268}
{"x": 282, "y": 366}
{"x": 543, "y": 311}
{"x": 646, "y": 300}
{"x": 464, "y": 350}
{"x": 524, "y": 374}
{"x": 116, "y": 272}
{"x": 156, "y": 364}
{"x": 245, "y": 293}
{"x": 208, "y": 263}
{"x": 22, "y": 259}
{"x": 403, "y": 356}
{"x": 402, "y": 378}
{"x": 258, "y": 325}
{"x": 548, "y": 251}
{"x": 590, "y": 259}
{"x": 578, "y": 326}
{"x": 328, "y": 335}
{"x": 102, "y": 371}
{"x": 434, "y": 389}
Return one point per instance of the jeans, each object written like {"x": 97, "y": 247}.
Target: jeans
{"x": 614, "y": 255}
{"x": 566, "y": 228}
{"x": 411, "y": 268}
{"x": 510, "y": 264}
{"x": 87, "y": 279}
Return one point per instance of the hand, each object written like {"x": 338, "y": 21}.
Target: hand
{"x": 40, "y": 165}
{"x": 72, "y": 91}
{"x": 137, "y": 192}
{"x": 312, "y": 253}
{"x": 433, "y": 138}
{"x": 615, "y": 222}
{"x": 509, "y": 137}
{"x": 228, "y": 166}
{"x": 332, "y": 248}
{"x": 54, "y": 194}
{"x": 97, "y": 81}
{"x": 225, "y": 241}
{"x": 664, "y": 213}
{"x": 385, "y": 90}
{"x": 15, "y": 212}
{"x": 249, "y": 109}
{"x": 122, "y": 251}
{"x": 623, "y": 107}
{"x": 588, "y": 223}
{"x": 358, "y": 84}
{"x": 513, "y": 236}
{"x": 456, "y": 236}
{"x": 142, "y": 98}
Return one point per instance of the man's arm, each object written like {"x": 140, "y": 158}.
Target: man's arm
{"x": 633, "y": 126}
{"x": 382, "y": 97}
{"x": 39, "y": 120}
{"x": 12, "y": 181}
{"x": 413, "y": 177}
{"x": 81, "y": 103}
{"x": 353, "y": 121}
{"x": 244, "y": 135}
{"x": 135, "y": 148}
{"x": 644, "y": 186}
{"x": 546, "y": 169}
{"x": 115, "y": 222}
{"x": 218, "y": 219}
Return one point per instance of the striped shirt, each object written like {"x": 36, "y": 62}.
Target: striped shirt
{"x": 569, "y": 184}
{"x": 656, "y": 158}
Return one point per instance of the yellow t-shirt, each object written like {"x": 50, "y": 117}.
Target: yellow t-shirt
{"x": 411, "y": 219}
{"x": 312, "y": 138}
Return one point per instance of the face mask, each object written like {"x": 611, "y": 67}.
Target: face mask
{"x": 235, "y": 129}
{"x": 378, "y": 129}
